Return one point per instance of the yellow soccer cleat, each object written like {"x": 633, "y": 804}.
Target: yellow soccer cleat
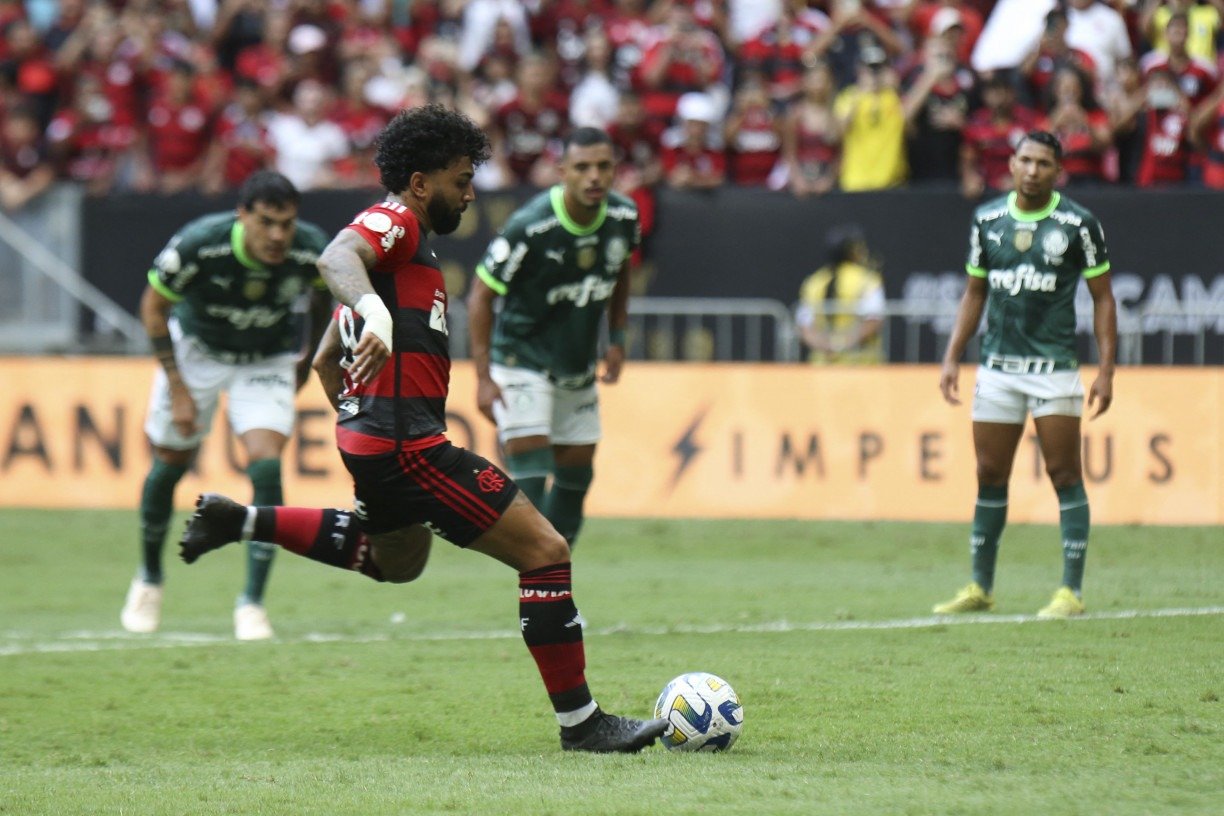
{"x": 1064, "y": 604}
{"x": 970, "y": 599}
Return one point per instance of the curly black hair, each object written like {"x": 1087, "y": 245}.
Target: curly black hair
{"x": 425, "y": 139}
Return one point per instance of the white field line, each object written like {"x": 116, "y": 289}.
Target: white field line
{"x": 15, "y": 643}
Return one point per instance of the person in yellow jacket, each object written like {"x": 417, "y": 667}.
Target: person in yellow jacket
{"x": 841, "y": 305}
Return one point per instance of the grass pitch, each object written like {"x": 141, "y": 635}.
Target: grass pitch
{"x": 419, "y": 699}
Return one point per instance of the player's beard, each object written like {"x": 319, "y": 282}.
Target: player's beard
{"x": 442, "y": 218}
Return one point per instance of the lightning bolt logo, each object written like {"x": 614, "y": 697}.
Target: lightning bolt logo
{"x": 686, "y": 448}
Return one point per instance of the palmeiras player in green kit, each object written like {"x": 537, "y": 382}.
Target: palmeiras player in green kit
{"x": 409, "y": 480}
{"x": 560, "y": 263}
{"x": 221, "y": 311}
{"x": 1028, "y": 252}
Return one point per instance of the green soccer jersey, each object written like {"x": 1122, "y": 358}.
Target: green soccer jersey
{"x": 1032, "y": 263}
{"x": 555, "y": 278}
{"x": 234, "y": 305}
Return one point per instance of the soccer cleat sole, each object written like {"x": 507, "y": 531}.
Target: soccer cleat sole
{"x": 202, "y": 534}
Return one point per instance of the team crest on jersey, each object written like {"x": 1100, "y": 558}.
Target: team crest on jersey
{"x": 490, "y": 481}
{"x": 586, "y": 257}
{"x": 255, "y": 289}
{"x": 616, "y": 252}
{"x": 1055, "y": 243}
{"x": 1023, "y": 240}
{"x": 289, "y": 289}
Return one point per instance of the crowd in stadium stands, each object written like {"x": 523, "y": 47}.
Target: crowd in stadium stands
{"x": 804, "y": 96}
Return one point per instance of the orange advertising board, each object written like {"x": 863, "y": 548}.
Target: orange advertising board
{"x": 681, "y": 440}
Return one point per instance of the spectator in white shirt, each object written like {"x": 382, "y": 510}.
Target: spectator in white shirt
{"x": 307, "y": 144}
{"x": 1100, "y": 32}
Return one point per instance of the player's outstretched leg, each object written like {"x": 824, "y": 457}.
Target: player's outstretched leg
{"x": 332, "y": 537}
{"x": 216, "y": 522}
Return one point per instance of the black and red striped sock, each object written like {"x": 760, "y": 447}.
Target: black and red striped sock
{"x": 552, "y": 630}
{"x": 331, "y": 537}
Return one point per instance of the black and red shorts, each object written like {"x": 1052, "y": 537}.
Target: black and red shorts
{"x": 454, "y": 492}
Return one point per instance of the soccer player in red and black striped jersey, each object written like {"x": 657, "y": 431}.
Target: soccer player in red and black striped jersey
{"x": 386, "y": 353}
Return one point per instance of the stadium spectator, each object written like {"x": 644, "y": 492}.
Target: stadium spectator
{"x": 683, "y": 58}
{"x": 1125, "y": 104}
{"x": 480, "y": 21}
{"x": 527, "y": 131}
{"x": 752, "y": 134}
{"x": 69, "y": 15}
{"x": 811, "y": 137}
{"x": 1203, "y": 19}
{"x": 639, "y": 166}
{"x": 266, "y": 61}
{"x": 87, "y": 144}
{"x": 238, "y": 25}
{"x": 1196, "y": 76}
{"x": 25, "y": 170}
{"x": 1207, "y": 130}
{"x": 934, "y": 17}
{"x": 841, "y": 304}
{"x": 872, "y": 121}
{"x": 854, "y": 25}
{"x": 778, "y": 51}
{"x": 990, "y": 137}
{"x": 307, "y": 145}
{"x": 594, "y": 99}
{"x": 1166, "y": 155}
{"x": 938, "y": 97}
{"x": 361, "y": 120}
{"x": 629, "y": 30}
{"x": 693, "y": 162}
{"x": 1099, "y": 30}
{"x": 1051, "y": 53}
{"x": 563, "y": 28}
{"x": 240, "y": 145}
{"x": 176, "y": 136}
{"x": 1080, "y": 125}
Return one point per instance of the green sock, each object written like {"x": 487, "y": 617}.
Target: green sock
{"x": 266, "y": 479}
{"x": 1073, "y": 519}
{"x": 531, "y": 470}
{"x": 156, "y": 507}
{"x": 989, "y": 517}
{"x": 564, "y": 505}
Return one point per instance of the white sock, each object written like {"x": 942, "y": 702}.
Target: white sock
{"x": 248, "y": 526}
{"x": 572, "y": 718}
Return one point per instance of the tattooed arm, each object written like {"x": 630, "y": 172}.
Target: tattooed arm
{"x": 345, "y": 266}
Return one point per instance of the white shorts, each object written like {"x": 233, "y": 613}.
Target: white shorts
{"x": 260, "y": 395}
{"x": 1009, "y": 398}
{"x": 533, "y": 406}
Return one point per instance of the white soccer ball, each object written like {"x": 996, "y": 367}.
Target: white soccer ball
{"x": 703, "y": 712}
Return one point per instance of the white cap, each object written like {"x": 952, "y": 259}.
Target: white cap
{"x": 947, "y": 17}
{"x": 697, "y": 107}
{"x": 305, "y": 38}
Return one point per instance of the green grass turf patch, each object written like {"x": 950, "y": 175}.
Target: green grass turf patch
{"x": 379, "y": 699}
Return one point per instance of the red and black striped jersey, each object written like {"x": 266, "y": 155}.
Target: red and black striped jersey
{"x": 404, "y": 408}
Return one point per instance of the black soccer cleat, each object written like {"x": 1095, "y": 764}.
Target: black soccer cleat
{"x": 216, "y": 522}
{"x": 607, "y": 734}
